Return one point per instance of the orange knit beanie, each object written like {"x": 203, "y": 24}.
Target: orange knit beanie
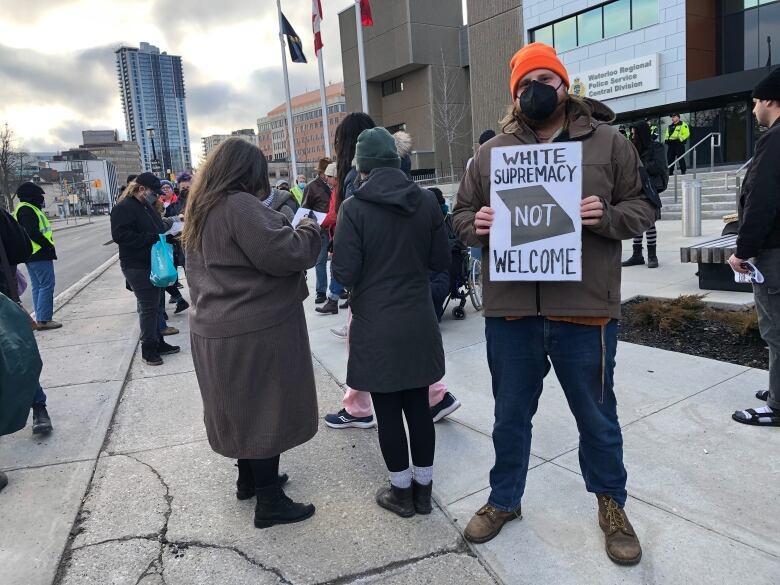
{"x": 535, "y": 56}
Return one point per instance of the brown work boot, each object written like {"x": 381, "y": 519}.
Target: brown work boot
{"x": 622, "y": 544}
{"x": 487, "y": 523}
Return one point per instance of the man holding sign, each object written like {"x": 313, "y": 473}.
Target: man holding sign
{"x": 549, "y": 199}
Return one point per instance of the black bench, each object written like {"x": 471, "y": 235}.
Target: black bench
{"x": 712, "y": 257}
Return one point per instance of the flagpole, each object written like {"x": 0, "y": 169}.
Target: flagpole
{"x": 290, "y": 128}
{"x": 323, "y": 99}
{"x": 361, "y": 56}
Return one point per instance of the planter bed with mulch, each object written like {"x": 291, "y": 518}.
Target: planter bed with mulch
{"x": 688, "y": 325}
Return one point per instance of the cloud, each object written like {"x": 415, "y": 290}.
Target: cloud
{"x": 58, "y": 76}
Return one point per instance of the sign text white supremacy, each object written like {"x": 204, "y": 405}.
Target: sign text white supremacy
{"x": 535, "y": 192}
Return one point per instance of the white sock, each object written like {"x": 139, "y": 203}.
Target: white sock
{"x": 401, "y": 479}
{"x": 423, "y": 475}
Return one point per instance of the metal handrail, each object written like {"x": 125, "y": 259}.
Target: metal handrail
{"x": 736, "y": 173}
{"x": 714, "y": 138}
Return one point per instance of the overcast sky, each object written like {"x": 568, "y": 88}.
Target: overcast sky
{"x": 57, "y": 63}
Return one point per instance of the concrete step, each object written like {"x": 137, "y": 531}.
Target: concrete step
{"x": 722, "y": 207}
{"x": 715, "y": 197}
{"x": 671, "y": 215}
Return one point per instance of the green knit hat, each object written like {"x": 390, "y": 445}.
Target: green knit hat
{"x": 376, "y": 149}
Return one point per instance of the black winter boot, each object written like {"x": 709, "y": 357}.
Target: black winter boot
{"x": 274, "y": 507}
{"x": 150, "y": 354}
{"x": 652, "y": 259}
{"x": 41, "y": 421}
{"x": 422, "y": 497}
{"x": 167, "y": 349}
{"x": 329, "y": 308}
{"x": 245, "y": 485}
{"x": 636, "y": 258}
{"x": 398, "y": 500}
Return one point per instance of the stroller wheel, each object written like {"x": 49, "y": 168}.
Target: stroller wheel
{"x": 458, "y": 313}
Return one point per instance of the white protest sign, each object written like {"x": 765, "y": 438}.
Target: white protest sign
{"x": 535, "y": 192}
{"x": 303, "y": 212}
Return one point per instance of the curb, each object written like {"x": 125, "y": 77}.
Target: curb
{"x": 69, "y": 293}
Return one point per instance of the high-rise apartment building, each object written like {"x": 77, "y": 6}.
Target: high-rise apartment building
{"x": 152, "y": 87}
{"x": 307, "y": 121}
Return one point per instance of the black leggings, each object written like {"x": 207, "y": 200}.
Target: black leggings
{"x": 265, "y": 471}
{"x": 390, "y": 409}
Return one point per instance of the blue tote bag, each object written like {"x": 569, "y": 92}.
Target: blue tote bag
{"x": 163, "y": 269}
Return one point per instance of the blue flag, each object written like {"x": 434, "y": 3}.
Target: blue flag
{"x": 293, "y": 41}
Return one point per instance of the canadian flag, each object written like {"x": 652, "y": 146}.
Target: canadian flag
{"x": 365, "y": 12}
{"x": 316, "y": 19}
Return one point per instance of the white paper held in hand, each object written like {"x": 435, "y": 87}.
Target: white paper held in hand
{"x": 175, "y": 229}
{"x": 303, "y": 212}
{"x": 753, "y": 276}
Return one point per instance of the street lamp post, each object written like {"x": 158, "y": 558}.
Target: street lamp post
{"x": 156, "y": 167}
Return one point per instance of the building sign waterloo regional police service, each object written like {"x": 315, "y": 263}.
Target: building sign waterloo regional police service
{"x": 618, "y": 80}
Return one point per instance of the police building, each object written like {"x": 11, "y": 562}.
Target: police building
{"x": 648, "y": 59}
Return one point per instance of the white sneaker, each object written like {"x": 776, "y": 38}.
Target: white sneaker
{"x": 341, "y": 332}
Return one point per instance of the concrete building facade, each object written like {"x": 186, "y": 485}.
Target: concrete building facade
{"x": 151, "y": 85}
{"x": 417, "y": 77}
{"x": 307, "y": 122}
{"x": 493, "y": 38}
{"x": 210, "y": 142}
{"x": 647, "y": 59}
{"x": 124, "y": 154}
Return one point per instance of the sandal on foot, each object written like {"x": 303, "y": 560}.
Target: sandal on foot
{"x": 763, "y": 395}
{"x": 764, "y": 416}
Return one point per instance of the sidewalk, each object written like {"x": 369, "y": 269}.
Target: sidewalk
{"x": 161, "y": 509}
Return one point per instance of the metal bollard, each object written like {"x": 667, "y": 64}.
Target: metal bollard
{"x": 691, "y": 209}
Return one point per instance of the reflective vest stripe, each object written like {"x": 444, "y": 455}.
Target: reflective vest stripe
{"x": 43, "y": 225}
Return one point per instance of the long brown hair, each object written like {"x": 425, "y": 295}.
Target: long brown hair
{"x": 344, "y": 142}
{"x": 234, "y": 165}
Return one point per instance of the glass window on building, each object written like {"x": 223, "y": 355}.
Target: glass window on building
{"x": 565, "y": 34}
{"x": 746, "y": 32}
{"x": 590, "y": 26}
{"x": 643, "y": 13}
{"x": 544, "y": 35}
{"x": 617, "y": 18}
{"x": 392, "y": 86}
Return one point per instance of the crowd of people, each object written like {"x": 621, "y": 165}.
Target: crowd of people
{"x": 390, "y": 249}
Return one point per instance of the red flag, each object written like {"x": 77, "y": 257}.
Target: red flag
{"x": 316, "y": 19}
{"x": 365, "y": 12}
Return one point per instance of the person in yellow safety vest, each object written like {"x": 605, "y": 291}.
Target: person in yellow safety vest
{"x": 297, "y": 189}
{"x": 40, "y": 266}
{"x": 677, "y": 133}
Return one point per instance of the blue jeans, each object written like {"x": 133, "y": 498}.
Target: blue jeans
{"x": 335, "y": 289}
{"x": 321, "y": 268}
{"x": 519, "y": 355}
{"x": 42, "y": 284}
{"x": 40, "y": 397}
{"x": 161, "y": 322}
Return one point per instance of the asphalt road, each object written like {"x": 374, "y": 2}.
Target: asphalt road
{"x": 79, "y": 251}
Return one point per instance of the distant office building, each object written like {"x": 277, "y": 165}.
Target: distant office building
{"x": 152, "y": 87}
{"x": 415, "y": 50}
{"x": 210, "y": 142}
{"x": 84, "y": 179}
{"x": 124, "y": 154}
{"x": 307, "y": 121}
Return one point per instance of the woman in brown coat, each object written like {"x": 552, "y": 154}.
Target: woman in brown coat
{"x": 250, "y": 346}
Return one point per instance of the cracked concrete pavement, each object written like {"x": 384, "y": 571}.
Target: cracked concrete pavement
{"x": 128, "y": 491}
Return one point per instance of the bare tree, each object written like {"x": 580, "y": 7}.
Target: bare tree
{"x": 9, "y": 168}
{"x": 449, "y": 111}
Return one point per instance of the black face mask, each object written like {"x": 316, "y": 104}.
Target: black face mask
{"x": 539, "y": 100}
